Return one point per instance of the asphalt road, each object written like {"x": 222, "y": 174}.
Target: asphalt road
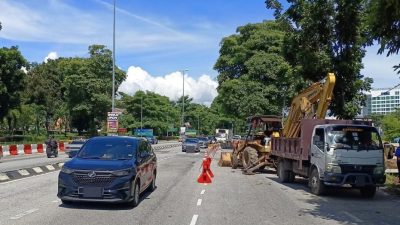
{"x": 9, "y": 163}
{"x": 232, "y": 198}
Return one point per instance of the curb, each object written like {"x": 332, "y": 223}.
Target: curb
{"x": 167, "y": 146}
{"x": 28, "y": 172}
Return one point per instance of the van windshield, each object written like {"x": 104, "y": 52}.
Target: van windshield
{"x": 108, "y": 149}
{"x": 354, "y": 138}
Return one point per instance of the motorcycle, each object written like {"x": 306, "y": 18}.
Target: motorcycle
{"x": 51, "y": 150}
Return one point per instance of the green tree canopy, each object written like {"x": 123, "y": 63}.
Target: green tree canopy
{"x": 254, "y": 76}
{"x": 11, "y": 79}
{"x": 383, "y": 20}
{"x": 327, "y": 37}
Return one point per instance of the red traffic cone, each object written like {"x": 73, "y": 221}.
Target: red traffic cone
{"x": 204, "y": 177}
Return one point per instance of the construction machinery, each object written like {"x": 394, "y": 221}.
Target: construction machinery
{"x": 253, "y": 152}
{"x": 335, "y": 153}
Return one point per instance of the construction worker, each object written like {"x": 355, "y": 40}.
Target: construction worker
{"x": 397, "y": 154}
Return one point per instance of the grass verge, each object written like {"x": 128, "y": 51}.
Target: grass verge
{"x": 392, "y": 185}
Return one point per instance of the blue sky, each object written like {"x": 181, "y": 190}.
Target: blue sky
{"x": 155, "y": 39}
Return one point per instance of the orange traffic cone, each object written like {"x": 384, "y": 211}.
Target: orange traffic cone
{"x": 204, "y": 177}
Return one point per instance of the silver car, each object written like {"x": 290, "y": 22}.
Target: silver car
{"x": 203, "y": 141}
{"x": 191, "y": 145}
{"x": 72, "y": 148}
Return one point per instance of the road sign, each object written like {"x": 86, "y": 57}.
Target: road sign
{"x": 112, "y": 122}
{"x": 143, "y": 132}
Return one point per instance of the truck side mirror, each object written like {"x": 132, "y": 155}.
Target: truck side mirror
{"x": 316, "y": 139}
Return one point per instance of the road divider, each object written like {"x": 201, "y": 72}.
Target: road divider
{"x": 161, "y": 147}
{"x": 27, "y": 172}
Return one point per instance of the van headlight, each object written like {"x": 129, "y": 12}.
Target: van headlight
{"x": 333, "y": 168}
{"x": 66, "y": 170}
{"x": 121, "y": 173}
{"x": 379, "y": 170}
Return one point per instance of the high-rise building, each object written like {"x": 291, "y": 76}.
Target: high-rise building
{"x": 382, "y": 101}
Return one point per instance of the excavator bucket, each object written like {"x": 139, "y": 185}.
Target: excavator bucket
{"x": 225, "y": 160}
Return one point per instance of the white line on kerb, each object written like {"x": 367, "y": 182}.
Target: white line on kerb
{"x": 202, "y": 192}
{"x": 199, "y": 202}
{"x": 19, "y": 216}
{"x": 26, "y": 178}
{"x": 194, "y": 219}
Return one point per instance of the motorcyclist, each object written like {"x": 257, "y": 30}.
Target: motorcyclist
{"x": 52, "y": 144}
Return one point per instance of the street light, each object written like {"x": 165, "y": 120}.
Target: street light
{"x": 183, "y": 96}
{"x": 113, "y": 68}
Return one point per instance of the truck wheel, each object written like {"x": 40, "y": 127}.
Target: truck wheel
{"x": 250, "y": 157}
{"x": 282, "y": 174}
{"x": 368, "y": 191}
{"x": 234, "y": 161}
{"x": 316, "y": 185}
{"x": 291, "y": 177}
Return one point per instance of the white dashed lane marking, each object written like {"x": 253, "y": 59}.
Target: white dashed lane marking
{"x": 199, "y": 202}
{"x": 194, "y": 219}
{"x": 19, "y": 216}
{"x": 202, "y": 192}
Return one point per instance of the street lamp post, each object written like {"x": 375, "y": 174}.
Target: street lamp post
{"x": 113, "y": 68}
{"x": 183, "y": 97}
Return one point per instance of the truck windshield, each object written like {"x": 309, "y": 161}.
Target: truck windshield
{"x": 354, "y": 138}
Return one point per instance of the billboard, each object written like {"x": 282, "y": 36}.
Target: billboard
{"x": 190, "y": 132}
{"x": 112, "y": 122}
{"x": 143, "y": 132}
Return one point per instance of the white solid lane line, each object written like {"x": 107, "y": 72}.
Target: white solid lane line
{"x": 356, "y": 219}
{"x": 19, "y": 216}
{"x": 202, "y": 192}
{"x": 194, "y": 219}
{"x": 199, "y": 202}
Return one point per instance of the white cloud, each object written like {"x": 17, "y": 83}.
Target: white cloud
{"x": 203, "y": 90}
{"x": 380, "y": 68}
{"x": 23, "y": 68}
{"x": 51, "y": 55}
{"x": 59, "y": 22}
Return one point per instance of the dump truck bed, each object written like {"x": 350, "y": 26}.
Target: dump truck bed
{"x": 299, "y": 148}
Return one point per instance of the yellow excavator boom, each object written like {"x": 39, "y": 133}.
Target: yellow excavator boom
{"x": 320, "y": 94}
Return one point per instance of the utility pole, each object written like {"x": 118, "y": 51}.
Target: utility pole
{"x": 183, "y": 97}
{"x": 113, "y": 68}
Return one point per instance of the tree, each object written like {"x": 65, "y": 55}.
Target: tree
{"x": 327, "y": 37}
{"x": 11, "y": 79}
{"x": 157, "y": 111}
{"x": 88, "y": 85}
{"x": 383, "y": 25}
{"x": 391, "y": 125}
{"x": 253, "y": 72}
{"x": 44, "y": 87}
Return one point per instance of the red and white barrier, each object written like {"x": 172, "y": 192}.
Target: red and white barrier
{"x": 27, "y": 149}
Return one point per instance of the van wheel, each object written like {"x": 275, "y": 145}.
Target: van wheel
{"x": 153, "y": 186}
{"x": 135, "y": 194}
{"x": 316, "y": 185}
{"x": 368, "y": 191}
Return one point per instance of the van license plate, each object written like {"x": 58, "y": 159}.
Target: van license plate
{"x": 92, "y": 192}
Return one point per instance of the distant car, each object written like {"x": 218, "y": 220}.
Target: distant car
{"x": 109, "y": 169}
{"x": 236, "y": 137}
{"x": 72, "y": 148}
{"x": 152, "y": 140}
{"x": 191, "y": 145}
{"x": 396, "y": 140}
{"x": 204, "y": 142}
